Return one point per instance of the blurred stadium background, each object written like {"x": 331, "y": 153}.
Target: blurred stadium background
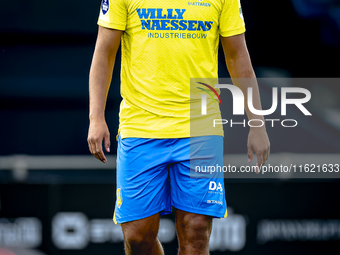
{"x": 55, "y": 198}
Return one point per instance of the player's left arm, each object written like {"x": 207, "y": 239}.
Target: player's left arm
{"x": 239, "y": 66}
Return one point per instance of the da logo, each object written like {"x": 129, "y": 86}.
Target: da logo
{"x": 215, "y": 186}
{"x": 105, "y": 6}
{"x": 119, "y": 198}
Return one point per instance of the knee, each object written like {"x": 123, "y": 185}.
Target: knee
{"x": 193, "y": 233}
{"x": 195, "y": 228}
{"x": 137, "y": 238}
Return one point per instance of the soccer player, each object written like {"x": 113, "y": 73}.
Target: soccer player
{"x": 164, "y": 44}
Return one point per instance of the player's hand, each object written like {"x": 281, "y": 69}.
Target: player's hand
{"x": 98, "y": 132}
{"x": 258, "y": 141}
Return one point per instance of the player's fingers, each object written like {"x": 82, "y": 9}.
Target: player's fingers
{"x": 96, "y": 156}
{"x": 107, "y": 142}
{"x": 267, "y": 154}
{"x": 99, "y": 151}
{"x": 264, "y": 157}
{"x": 99, "y": 157}
{"x": 95, "y": 147}
{"x": 99, "y": 154}
{"x": 91, "y": 146}
{"x": 250, "y": 154}
{"x": 259, "y": 161}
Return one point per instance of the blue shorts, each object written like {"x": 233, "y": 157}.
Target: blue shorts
{"x": 154, "y": 175}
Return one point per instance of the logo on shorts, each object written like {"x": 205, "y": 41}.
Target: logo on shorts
{"x": 105, "y": 6}
{"x": 214, "y": 186}
{"x": 119, "y": 198}
{"x": 214, "y": 202}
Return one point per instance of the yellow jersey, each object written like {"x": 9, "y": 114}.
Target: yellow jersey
{"x": 164, "y": 45}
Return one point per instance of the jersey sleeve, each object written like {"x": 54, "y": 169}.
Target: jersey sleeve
{"x": 113, "y": 14}
{"x": 231, "y": 19}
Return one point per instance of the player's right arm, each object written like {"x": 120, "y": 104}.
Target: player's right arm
{"x": 104, "y": 56}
